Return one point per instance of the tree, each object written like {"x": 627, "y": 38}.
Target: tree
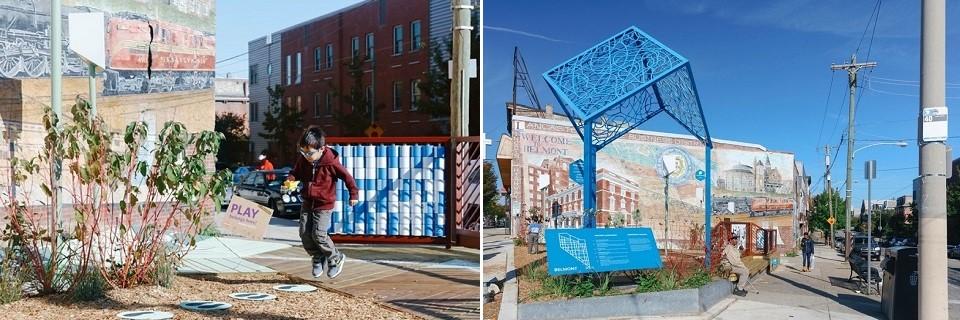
{"x": 353, "y": 122}
{"x": 821, "y": 211}
{"x": 234, "y": 148}
{"x": 637, "y": 218}
{"x": 280, "y": 124}
{"x": 492, "y": 210}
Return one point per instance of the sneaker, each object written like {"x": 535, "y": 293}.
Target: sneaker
{"x": 337, "y": 266}
{"x": 318, "y": 266}
{"x": 742, "y": 293}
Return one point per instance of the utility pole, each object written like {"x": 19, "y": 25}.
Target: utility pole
{"x": 459, "y": 86}
{"x": 852, "y": 68}
{"x": 932, "y": 233}
{"x": 826, "y": 151}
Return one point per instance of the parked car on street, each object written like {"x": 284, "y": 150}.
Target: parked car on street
{"x": 954, "y": 252}
{"x": 264, "y": 187}
{"x": 862, "y": 248}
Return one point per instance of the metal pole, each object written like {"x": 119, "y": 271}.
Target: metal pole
{"x": 459, "y": 87}
{"x": 708, "y": 226}
{"x": 932, "y": 233}
{"x": 666, "y": 213}
{"x": 852, "y": 77}
{"x": 869, "y": 229}
{"x": 56, "y": 104}
{"x": 92, "y": 81}
{"x": 589, "y": 177}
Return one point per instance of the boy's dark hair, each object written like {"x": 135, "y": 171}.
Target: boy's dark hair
{"x": 313, "y": 137}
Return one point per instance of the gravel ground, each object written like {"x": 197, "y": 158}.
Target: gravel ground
{"x": 320, "y": 304}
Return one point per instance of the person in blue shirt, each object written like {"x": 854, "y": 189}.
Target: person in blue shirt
{"x": 533, "y": 235}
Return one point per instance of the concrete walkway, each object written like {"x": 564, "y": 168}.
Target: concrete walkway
{"x": 823, "y": 293}
{"x": 226, "y": 255}
{"x": 429, "y": 281}
{"x": 498, "y": 268}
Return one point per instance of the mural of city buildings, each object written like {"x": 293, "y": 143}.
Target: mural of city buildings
{"x": 174, "y": 39}
{"x": 750, "y": 183}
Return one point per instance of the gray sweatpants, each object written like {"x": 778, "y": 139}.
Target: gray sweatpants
{"x": 313, "y": 233}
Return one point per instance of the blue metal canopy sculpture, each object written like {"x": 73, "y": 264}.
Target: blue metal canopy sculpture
{"x": 617, "y": 85}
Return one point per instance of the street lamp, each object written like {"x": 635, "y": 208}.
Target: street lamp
{"x": 671, "y": 163}
{"x": 849, "y": 192}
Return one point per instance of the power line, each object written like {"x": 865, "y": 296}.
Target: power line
{"x": 876, "y": 19}
{"x": 233, "y": 57}
{"x": 898, "y": 169}
{"x": 833, "y": 75}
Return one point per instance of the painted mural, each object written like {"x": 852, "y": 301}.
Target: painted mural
{"x": 175, "y": 39}
{"x": 749, "y": 183}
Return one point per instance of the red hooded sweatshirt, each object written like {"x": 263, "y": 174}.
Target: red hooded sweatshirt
{"x": 320, "y": 180}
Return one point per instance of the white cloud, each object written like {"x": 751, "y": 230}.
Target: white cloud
{"x": 524, "y": 33}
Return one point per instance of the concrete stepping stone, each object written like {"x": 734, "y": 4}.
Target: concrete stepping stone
{"x": 295, "y": 288}
{"x": 253, "y": 296}
{"x": 204, "y": 305}
{"x": 145, "y": 315}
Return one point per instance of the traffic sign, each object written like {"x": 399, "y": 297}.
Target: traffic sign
{"x": 701, "y": 175}
{"x": 831, "y": 220}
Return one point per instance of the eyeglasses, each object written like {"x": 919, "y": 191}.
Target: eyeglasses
{"x": 310, "y": 154}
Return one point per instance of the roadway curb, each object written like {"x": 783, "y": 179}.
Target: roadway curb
{"x": 511, "y": 290}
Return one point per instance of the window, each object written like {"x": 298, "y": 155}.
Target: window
{"x": 298, "y": 68}
{"x": 414, "y": 94}
{"x": 329, "y": 56}
{"x": 317, "y": 103}
{"x": 254, "y": 112}
{"x": 415, "y": 36}
{"x": 355, "y": 47}
{"x": 317, "y": 55}
{"x": 370, "y": 98}
{"x": 330, "y": 101}
{"x": 249, "y": 179}
{"x": 369, "y": 46}
{"x": 299, "y": 105}
{"x": 397, "y": 40}
{"x": 397, "y": 95}
{"x": 269, "y": 70}
{"x": 253, "y": 74}
{"x": 288, "y": 104}
{"x": 289, "y": 76}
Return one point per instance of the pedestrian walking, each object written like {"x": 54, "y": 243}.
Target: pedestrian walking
{"x": 731, "y": 256}
{"x": 266, "y": 165}
{"x": 806, "y": 246}
{"x": 320, "y": 168}
{"x": 533, "y": 235}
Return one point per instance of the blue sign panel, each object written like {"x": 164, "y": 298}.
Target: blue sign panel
{"x": 576, "y": 171}
{"x": 572, "y": 251}
{"x": 701, "y": 175}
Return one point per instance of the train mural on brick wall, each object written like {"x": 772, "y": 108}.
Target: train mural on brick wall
{"x": 182, "y": 43}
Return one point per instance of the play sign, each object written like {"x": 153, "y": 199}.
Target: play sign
{"x": 246, "y": 218}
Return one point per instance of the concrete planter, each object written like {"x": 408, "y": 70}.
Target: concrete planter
{"x": 686, "y": 302}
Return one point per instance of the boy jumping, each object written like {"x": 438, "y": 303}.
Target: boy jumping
{"x": 319, "y": 168}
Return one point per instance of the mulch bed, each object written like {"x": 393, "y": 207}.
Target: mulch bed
{"x": 320, "y": 304}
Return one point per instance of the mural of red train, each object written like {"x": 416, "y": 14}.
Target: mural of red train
{"x": 753, "y": 206}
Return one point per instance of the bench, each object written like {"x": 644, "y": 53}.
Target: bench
{"x": 755, "y": 264}
{"x": 858, "y": 266}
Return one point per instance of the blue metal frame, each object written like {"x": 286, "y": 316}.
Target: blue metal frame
{"x": 615, "y": 86}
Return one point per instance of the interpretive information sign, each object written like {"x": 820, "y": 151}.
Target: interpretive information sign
{"x": 573, "y": 251}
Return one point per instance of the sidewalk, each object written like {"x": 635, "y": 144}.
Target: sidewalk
{"x": 823, "y": 293}
{"x": 429, "y": 281}
{"x": 497, "y": 256}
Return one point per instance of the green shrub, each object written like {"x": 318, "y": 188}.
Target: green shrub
{"x": 792, "y": 254}
{"x": 164, "y": 269}
{"x": 90, "y": 287}
{"x": 519, "y": 242}
{"x": 11, "y": 280}
{"x": 210, "y": 231}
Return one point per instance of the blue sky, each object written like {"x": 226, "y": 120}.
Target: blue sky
{"x": 239, "y": 21}
{"x": 762, "y": 69}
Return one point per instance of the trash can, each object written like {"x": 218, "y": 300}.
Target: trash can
{"x": 898, "y": 297}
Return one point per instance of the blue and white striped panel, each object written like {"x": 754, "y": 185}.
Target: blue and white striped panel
{"x": 336, "y": 225}
{"x": 382, "y": 194}
{"x": 439, "y": 177}
{"x": 370, "y": 201}
{"x": 405, "y": 183}
{"x": 429, "y": 205}
{"x": 393, "y": 185}
{"x": 360, "y": 222}
{"x": 348, "y": 155}
{"x": 416, "y": 215}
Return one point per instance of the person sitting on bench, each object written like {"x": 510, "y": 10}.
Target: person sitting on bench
{"x": 731, "y": 254}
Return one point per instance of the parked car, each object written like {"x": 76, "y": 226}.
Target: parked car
{"x": 862, "y": 248}
{"x": 954, "y": 252}
{"x": 264, "y": 187}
